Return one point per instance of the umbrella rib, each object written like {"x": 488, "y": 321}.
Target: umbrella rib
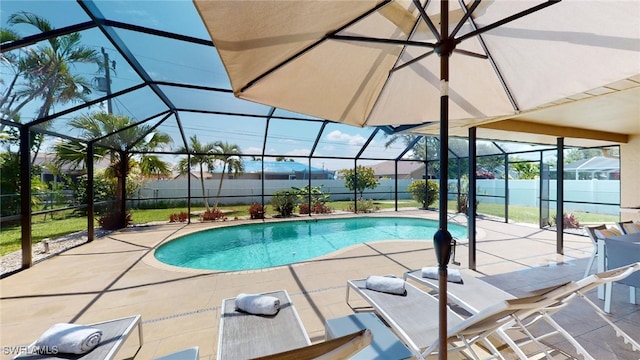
{"x": 507, "y": 90}
{"x": 467, "y": 15}
{"x": 412, "y": 61}
{"x": 320, "y": 41}
{"x": 470, "y": 53}
{"x": 425, "y": 17}
{"x": 507, "y": 20}
{"x": 381, "y": 40}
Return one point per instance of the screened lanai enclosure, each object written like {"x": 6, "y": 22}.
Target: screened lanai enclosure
{"x": 113, "y": 106}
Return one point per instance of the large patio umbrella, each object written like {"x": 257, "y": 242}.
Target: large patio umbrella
{"x": 384, "y": 62}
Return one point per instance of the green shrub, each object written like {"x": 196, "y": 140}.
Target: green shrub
{"x": 364, "y": 206}
{"x": 284, "y": 201}
{"x": 424, "y": 192}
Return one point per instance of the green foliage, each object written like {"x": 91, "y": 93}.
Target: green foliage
{"x": 364, "y": 206}
{"x": 229, "y": 155}
{"x": 317, "y": 195}
{"x": 9, "y": 184}
{"x": 363, "y": 178}
{"x": 425, "y": 192}
{"x": 527, "y": 170}
{"x": 284, "y": 201}
{"x": 103, "y": 189}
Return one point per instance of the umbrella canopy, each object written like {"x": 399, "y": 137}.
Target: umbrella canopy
{"x": 384, "y": 62}
{"x": 371, "y": 63}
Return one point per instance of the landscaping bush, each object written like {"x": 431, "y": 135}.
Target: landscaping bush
{"x": 284, "y": 201}
{"x": 179, "y": 217}
{"x": 318, "y": 208}
{"x": 256, "y": 211}
{"x": 569, "y": 221}
{"x": 364, "y": 206}
{"x": 425, "y": 192}
{"x": 213, "y": 214}
{"x": 111, "y": 221}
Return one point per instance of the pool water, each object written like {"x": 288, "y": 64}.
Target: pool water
{"x": 263, "y": 245}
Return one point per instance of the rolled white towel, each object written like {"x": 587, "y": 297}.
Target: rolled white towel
{"x": 431, "y": 272}
{"x": 387, "y": 284}
{"x": 258, "y": 304}
{"x": 67, "y": 338}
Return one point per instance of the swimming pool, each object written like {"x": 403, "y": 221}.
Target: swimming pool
{"x": 264, "y": 245}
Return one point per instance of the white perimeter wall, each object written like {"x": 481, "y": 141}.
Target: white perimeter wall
{"x": 521, "y": 192}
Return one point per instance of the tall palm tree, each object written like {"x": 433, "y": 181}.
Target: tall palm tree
{"x": 46, "y": 69}
{"x": 98, "y": 125}
{"x": 202, "y": 155}
{"x": 152, "y": 165}
{"x": 47, "y": 72}
{"x": 229, "y": 155}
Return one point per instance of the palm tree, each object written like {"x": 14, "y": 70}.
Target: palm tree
{"x": 152, "y": 165}
{"x": 112, "y": 146}
{"x": 229, "y": 155}
{"x": 46, "y": 70}
{"x": 202, "y": 155}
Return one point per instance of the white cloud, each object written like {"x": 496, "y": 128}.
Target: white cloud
{"x": 339, "y": 136}
{"x": 252, "y": 150}
{"x": 299, "y": 152}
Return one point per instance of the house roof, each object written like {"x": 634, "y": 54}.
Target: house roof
{"x": 389, "y": 167}
{"x": 594, "y": 163}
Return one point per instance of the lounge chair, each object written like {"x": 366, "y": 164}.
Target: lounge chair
{"x": 628, "y": 227}
{"x": 246, "y": 336}
{"x": 114, "y": 334}
{"x": 591, "y": 231}
{"x": 474, "y": 295}
{"x": 621, "y": 253}
{"x": 339, "y": 348}
{"x": 192, "y": 353}
{"x": 414, "y": 318}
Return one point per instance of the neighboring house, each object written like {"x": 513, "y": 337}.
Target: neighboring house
{"x": 194, "y": 175}
{"x": 278, "y": 170}
{"x": 44, "y": 160}
{"x": 406, "y": 170}
{"x": 595, "y": 168}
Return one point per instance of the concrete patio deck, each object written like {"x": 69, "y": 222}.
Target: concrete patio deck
{"x": 116, "y": 276}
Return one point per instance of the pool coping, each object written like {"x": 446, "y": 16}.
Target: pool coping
{"x": 194, "y": 227}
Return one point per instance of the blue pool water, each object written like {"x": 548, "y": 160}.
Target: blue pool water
{"x": 263, "y": 245}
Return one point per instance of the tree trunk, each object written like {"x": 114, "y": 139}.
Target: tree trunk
{"x": 224, "y": 169}
{"x": 204, "y": 198}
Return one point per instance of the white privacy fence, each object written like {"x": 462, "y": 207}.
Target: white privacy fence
{"x": 596, "y": 196}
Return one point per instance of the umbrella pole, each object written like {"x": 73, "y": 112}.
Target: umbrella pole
{"x": 442, "y": 239}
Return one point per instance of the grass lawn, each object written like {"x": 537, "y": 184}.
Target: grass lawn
{"x": 61, "y": 225}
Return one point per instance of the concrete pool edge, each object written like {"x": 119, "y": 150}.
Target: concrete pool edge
{"x": 151, "y": 260}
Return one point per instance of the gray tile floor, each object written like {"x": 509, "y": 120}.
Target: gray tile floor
{"x": 117, "y": 276}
